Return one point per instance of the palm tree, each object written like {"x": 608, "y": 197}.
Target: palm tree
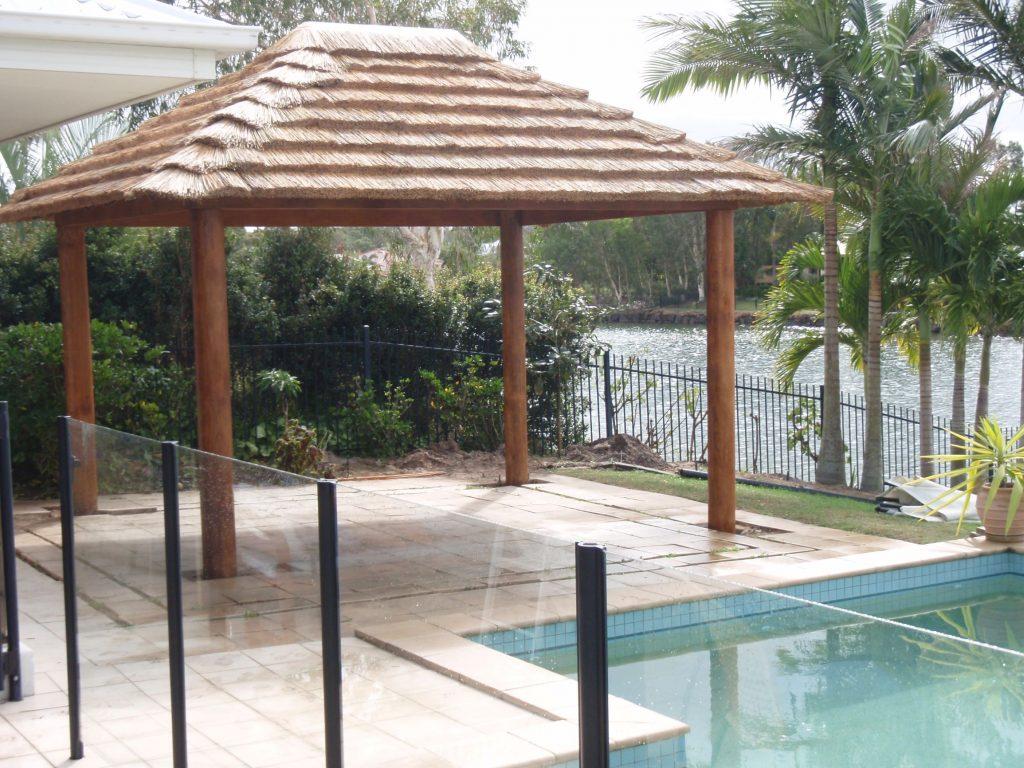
{"x": 800, "y": 293}
{"x": 922, "y": 217}
{"x": 901, "y": 106}
{"x": 920, "y": 237}
{"x": 798, "y": 49}
{"x": 989, "y": 235}
{"x": 25, "y": 161}
{"x": 988, "y": 40}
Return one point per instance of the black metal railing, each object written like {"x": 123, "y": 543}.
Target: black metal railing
{"x": 662, "y": 404}
{"x": 777, "y": 426}
{"x": 334, "y": 374}
{"x": 10, "y": 635}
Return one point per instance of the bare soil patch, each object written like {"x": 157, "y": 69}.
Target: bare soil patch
{"x": 489, "y": 466}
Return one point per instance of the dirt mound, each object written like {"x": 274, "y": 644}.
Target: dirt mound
{"x": 444, "y": 455}
{"x": 622, "y": 448}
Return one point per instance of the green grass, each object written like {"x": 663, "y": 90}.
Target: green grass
{"x": 831, "y": 512}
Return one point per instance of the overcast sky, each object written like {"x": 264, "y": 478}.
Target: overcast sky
{"x": 598, "y": 45}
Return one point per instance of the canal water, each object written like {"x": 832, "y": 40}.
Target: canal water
{"x": 686, "y": 345}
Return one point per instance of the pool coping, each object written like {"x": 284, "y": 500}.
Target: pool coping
{"x": 537, "y": 690}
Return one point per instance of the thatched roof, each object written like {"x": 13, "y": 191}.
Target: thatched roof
{"x": 388, "y": 116}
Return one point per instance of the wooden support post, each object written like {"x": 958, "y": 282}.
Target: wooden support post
{"x": 77, "y": 338}
{"x": 513, "y": 319}
{"x": 213, "y": 392}
{"x": 721, "y": 305}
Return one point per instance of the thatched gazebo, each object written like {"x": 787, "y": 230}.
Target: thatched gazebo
{"x": 342, "y": 125}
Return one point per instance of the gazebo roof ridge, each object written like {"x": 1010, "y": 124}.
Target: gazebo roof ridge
{"x": 392, "y": 115}
{"x": 370, "y": 39}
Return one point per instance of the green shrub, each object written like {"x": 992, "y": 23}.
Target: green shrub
{"x": 276, "y": 390}
{"x": 280, "y": 440}
{"x": 468, "y": 404}
{"x": 138, "y": 389}
{"x": 300, "y": 450}
{"x": 375, "y": 427}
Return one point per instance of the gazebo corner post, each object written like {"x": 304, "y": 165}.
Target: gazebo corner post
{"x": 513, "y": 349}
{"x": 213, "y": 392}
{"x": 77, "y": 354}
{"x": 721, "y": 320}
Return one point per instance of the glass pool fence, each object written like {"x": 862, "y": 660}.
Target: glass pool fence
{"x": 459, "y": 635}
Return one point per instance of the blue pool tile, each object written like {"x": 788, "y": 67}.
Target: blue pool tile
{"x": 529, "y": 640}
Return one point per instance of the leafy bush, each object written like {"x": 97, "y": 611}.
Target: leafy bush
{"x": 375, "y": 427}
{"x": 468, "y": 404}
{"x": 138, "y": 387}
{"x": 279, "y": 439}
{"x": 300, "y": 450}
{"x": 291, "y": 285}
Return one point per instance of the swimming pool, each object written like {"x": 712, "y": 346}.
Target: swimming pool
{"x": 764, "y": 679}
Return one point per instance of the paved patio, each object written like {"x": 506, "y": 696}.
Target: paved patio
{"x": 425, "y": 561}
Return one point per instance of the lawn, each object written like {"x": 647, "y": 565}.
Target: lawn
{"x": 828, "y": 511}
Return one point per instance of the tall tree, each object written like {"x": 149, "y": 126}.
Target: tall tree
{"x": 989, "y": 235}
{"x": 924, "y": 211}
{"x": 799, "y": 49}
{"x": 866, "y": 88}
{"x": 985, "y": 40}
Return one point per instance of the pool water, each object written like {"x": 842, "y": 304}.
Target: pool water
{"x": 809, "y": 686}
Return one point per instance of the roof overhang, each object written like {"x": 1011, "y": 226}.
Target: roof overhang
{"x": 348, "y": 125}
{"x": 57, "y": 67}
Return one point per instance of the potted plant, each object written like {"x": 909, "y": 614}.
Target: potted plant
{"x": 992, "y": 466}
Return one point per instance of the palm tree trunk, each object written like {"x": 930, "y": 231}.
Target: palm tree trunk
{"x": 1021, "y": 422}
{"x": 830, "y": 469}
{"x": 958, "y": 421}
{"x": 924, "y": 381}
{"x": 871, "y": 471}
{"x": 981, "y": 407}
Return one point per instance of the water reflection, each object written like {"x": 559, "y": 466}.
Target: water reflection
{"x": 809, "y": 687}
{"x": 686, "y": 345}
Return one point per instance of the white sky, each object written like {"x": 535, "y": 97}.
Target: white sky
{"x": 598, "y": 45}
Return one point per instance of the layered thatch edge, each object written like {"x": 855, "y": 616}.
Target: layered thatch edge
{"x": 258, "y": 136}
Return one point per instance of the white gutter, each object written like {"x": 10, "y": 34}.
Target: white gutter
{"x": 223, "y": 39}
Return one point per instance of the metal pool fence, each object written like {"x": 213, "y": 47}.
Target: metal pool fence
{"x": 662, "y": 404}
{"x": 777, "y": 426}
{"x": 10, "y": 636}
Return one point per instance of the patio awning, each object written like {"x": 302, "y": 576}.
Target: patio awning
{"x": 65, "y": 59}
{"x": 343, "y": 114}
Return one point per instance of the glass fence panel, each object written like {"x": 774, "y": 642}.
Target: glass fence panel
{"x": 120, "y": 580}
{"x": 437, "y": 602}
{"x": 251, "y": 593}
{"x": 703, "y": 672}
{"x": 459, "y": 635}
{"x": 434, "y": 596}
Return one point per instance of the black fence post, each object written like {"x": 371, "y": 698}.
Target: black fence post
{"x": 330, "y": 619}
{"x": 66, "y": 481}
{"x": 367, "y": 362}
{"x": 12, "y": 664}
{"x": 609, "y": 405}
{"x": 175, "y": 611}
{"x": 592, "y": 654}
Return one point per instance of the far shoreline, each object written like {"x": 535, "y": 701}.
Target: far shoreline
{"x": 685, "y": 317}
